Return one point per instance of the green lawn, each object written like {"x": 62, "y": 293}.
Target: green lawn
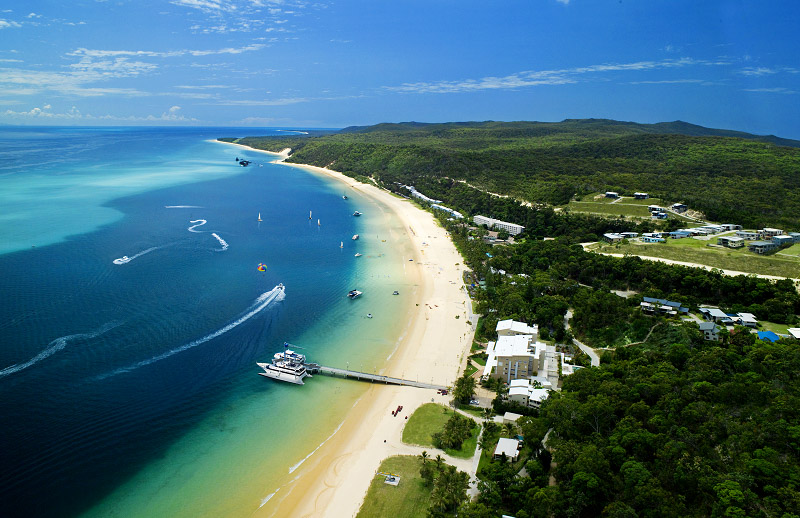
{"x": 781, "y": 329}
{"x": 697, "y": 251}
{"x": 409, "y": 499}
{"x": 479, "y": 358}
{"x": 610, "y": 209}
{"x": 470, "y": 370}
{"x": 429, "y": 419}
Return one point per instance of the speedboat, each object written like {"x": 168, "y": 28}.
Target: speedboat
{"x": 355, "y": 236}
{"x": 358, "y": 255}
{"x": 353, "y": 294}
{"x": 356, "y": 213}
{"x": 122, "y": 260}
{"x": 395, "y": 293}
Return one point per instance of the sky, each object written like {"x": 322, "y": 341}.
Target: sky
{"x": 335, "y": 63}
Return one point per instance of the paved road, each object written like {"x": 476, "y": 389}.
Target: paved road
{"x": 583, "y": 347}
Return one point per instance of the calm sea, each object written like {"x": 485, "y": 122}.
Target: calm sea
{"x": 129, "y": 387}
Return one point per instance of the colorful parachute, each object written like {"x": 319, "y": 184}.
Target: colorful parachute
{"x": 262, "y": 267}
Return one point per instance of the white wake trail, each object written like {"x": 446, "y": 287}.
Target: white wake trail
{"x": 221, "y": 241}
{"x": 276, "y": 294}
{"x": 125, "y": 259}
{"x": 182, "y": 207}
{"x": 55, "y": 346}
{"x": 199, "y": 223}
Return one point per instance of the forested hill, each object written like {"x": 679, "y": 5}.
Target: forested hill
{"x": 726, "y": 176}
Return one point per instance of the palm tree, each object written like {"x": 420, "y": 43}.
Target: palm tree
{"x": 487, "y": 414}
{"x": 439, "y": 461}
{"x": 511, "y": 429}
{"x": 424, "y": 456}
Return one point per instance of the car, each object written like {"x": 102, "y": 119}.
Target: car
{"x": 474, "y": 402}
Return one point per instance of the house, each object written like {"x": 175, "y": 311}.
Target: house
{"x": 612, "y": 237}
{"x": 511, "y": 417}
{"x": 794, "y": 332}
{"x": 749, "y": 235}
{"x": 664, "y": 305}
{"x": 524, "y": 393}
{"x": 795, "y": 236}
{"x": 710, "y": 330}
{"x": 640, "y": 195}
{"x": 679, "y": 207}
{"x": 656, "y": 208}
{"x": 731, "y": 226}
{"x": 507, "y": 447}
{"x": 511, "y": 228}
{"x": 612, "y": 194}
{"x": 746, "y": 319}
{"x": 768, "y": 336}
{"x": 713, "y": 314}
{"x": 679, "y": 234}
{"x": 783, "y": 240}
{"x": 651, "y": 239}
{"x": 731, "y": 241}
{"x": 770, "y": 232}
{"x": 629, "y": 235}
{"x": 762, "y": 247}
{"x": 659, "y": 215}
{"x": 513, "y": 328}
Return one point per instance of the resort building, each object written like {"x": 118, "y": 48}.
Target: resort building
{"x": 783, "y": 240}
{"x": 416, "y": 194}
{"x": 612, "y": 194}
{"x": 629, "y": 235}
{"x": 679, "y": 207}
{"x": 655, "y": 306}
{"x": 762, "y": 247}
{"x": 749, "y": 235}
{"x": 713, "y": 314}
{"x": 795, "y": 236}
{"x": 524, "y": 393}
{"x": 651, "y": 239}
{"x": 511, "y": 228}
{"x": 745, "y": 319}
{"x": 507, "y": 447}
{"x": 656, "y": 208}
{"x": 794, "y": 332}
{"x": 612, "y": 237}
{"x": 641, "y": 195}
{"x": 513, "y": 328}
{"x": 452, "y": 212}
{"x": 731, "y": 226}
{"x": 770, "y": 232}
{"x": 731, "y": 241}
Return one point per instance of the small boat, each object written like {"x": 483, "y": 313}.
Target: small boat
{"x": 344, "y": 197}
{"x": 369, "y": 315}
{"x": 122, "y": 260}
{"x": 341, "y": 245}
{"x": 395, "y": 292}
{"x": 353, "y": 294}
{"x": 244, "y": 163}
{"x": 309, "y": 214}
{"x": 319, "y": 224}
{"x": 358, "y": 254}
{"x": 355, "y": 236}
{"x": 259, "y": 217}
{"x": 356, "y": 213}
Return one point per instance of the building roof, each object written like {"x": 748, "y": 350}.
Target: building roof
{"x": 762, "y": 243}
{"x": 768, "y": 335}
{"x": 507, "y": 446}
{"x": 511, "y": 416}
{"x": 795, "y": 332}
{"x": 707, "y": 326}
{"x": 714, "y": 312}
{"x": 748, "y": 317}
{"x": 516, "y": 345}
{"x": 517, "y": 327}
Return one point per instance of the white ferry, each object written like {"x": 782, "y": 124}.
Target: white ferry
{"x": 286, "y": 366}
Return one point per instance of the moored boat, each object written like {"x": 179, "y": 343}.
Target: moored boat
{"x": 354, "y": 294}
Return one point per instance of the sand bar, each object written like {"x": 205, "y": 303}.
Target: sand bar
{"x": 335, "y": 479}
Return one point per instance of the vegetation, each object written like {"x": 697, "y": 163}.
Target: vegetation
{"x": 550, "y": 163}
{"x": 439, "y": 427}
{"x": 410, "y": 498}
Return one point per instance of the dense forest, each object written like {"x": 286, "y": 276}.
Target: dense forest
{"x": 728, "y": 176}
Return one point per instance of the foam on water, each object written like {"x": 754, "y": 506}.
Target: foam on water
{"x": 56, "y": 345}
{"x": 221, "y": 241}
{"x": 198, "y": 223}
{"x": 276, "y": 294}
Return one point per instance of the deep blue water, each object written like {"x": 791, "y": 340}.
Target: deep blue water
{"x": 103, "y": 365}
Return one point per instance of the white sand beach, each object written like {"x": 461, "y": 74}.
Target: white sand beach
{"x": 335, "y": 479}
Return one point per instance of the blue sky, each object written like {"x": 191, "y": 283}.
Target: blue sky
{"x": 334, "y": 63}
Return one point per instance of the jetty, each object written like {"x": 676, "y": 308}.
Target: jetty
{"x": 315, "y": 368}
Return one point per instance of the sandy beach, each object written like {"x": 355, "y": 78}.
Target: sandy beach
{"x": 335, "y": 479}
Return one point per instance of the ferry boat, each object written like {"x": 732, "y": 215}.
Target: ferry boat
{"x": 286, "y": 366}
{"x": 353, "y": 294}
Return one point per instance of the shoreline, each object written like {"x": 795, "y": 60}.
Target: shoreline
{"x": 334, "y": 480}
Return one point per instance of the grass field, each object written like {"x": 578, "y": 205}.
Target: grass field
{"x": 430, "y": 419}
{"x": 408, "y": 499}
{"x": 627, "y": 207}
{"x": 696, "y": 251}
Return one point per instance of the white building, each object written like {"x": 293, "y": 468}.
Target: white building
{"x": 524, "y": 393}
{"x": 416, "y": 194}
{"x": 795, "y": 332}
{"x": 519, "y": 357}
{"x": 511, "y": 228}
{"x": 512, "y": 328}
{"x": 508, "y": 446}
{"x": 452, "y": 212}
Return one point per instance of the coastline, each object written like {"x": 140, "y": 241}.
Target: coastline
{"x": 334, "y": 480}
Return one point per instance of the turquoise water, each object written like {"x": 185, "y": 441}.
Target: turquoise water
{"x": 130, "y": 389}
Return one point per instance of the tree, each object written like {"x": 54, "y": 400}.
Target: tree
{"x": 464, "y": 389}
{"x": 449, "y": 491}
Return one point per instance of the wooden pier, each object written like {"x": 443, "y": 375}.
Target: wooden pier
{"x": 375, "y": 378}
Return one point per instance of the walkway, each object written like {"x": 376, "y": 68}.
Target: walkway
{"x": 333, "y": 371}
{"x": 595, "y": 359}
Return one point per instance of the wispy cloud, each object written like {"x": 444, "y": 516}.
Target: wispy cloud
{"x": 757, "y": 71}
{"x": 703, "y": 82}
{"x": 773, "y": 90}
{"x": 99, "y": 53}
{"x": 5, "y": 24}
{"x": 546, "y": 77}
{"x": 73, "y": 114}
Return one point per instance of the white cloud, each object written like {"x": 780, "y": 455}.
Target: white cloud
{"x": 171, "y": 115}
{"x": 5, "y": 24}
{"x": 546, "y": 77}
{"x": 565, "y": 2}
{"x": 774, "y": 90}
{"x": 757, "y": 71}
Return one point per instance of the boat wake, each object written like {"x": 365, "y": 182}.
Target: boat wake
{"x": 198, "y": 223}
{"x": 264, "y": 300}
{"x": 125, "y": 259}
{"x": 56, "y": 345}
{"x": 221, "y": 241}
{"x": 182, "y": 207}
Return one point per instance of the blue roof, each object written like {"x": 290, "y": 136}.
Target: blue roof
{"x": 768, "y": 335}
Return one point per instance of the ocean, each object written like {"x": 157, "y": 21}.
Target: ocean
{"x": 133, "y": 313}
